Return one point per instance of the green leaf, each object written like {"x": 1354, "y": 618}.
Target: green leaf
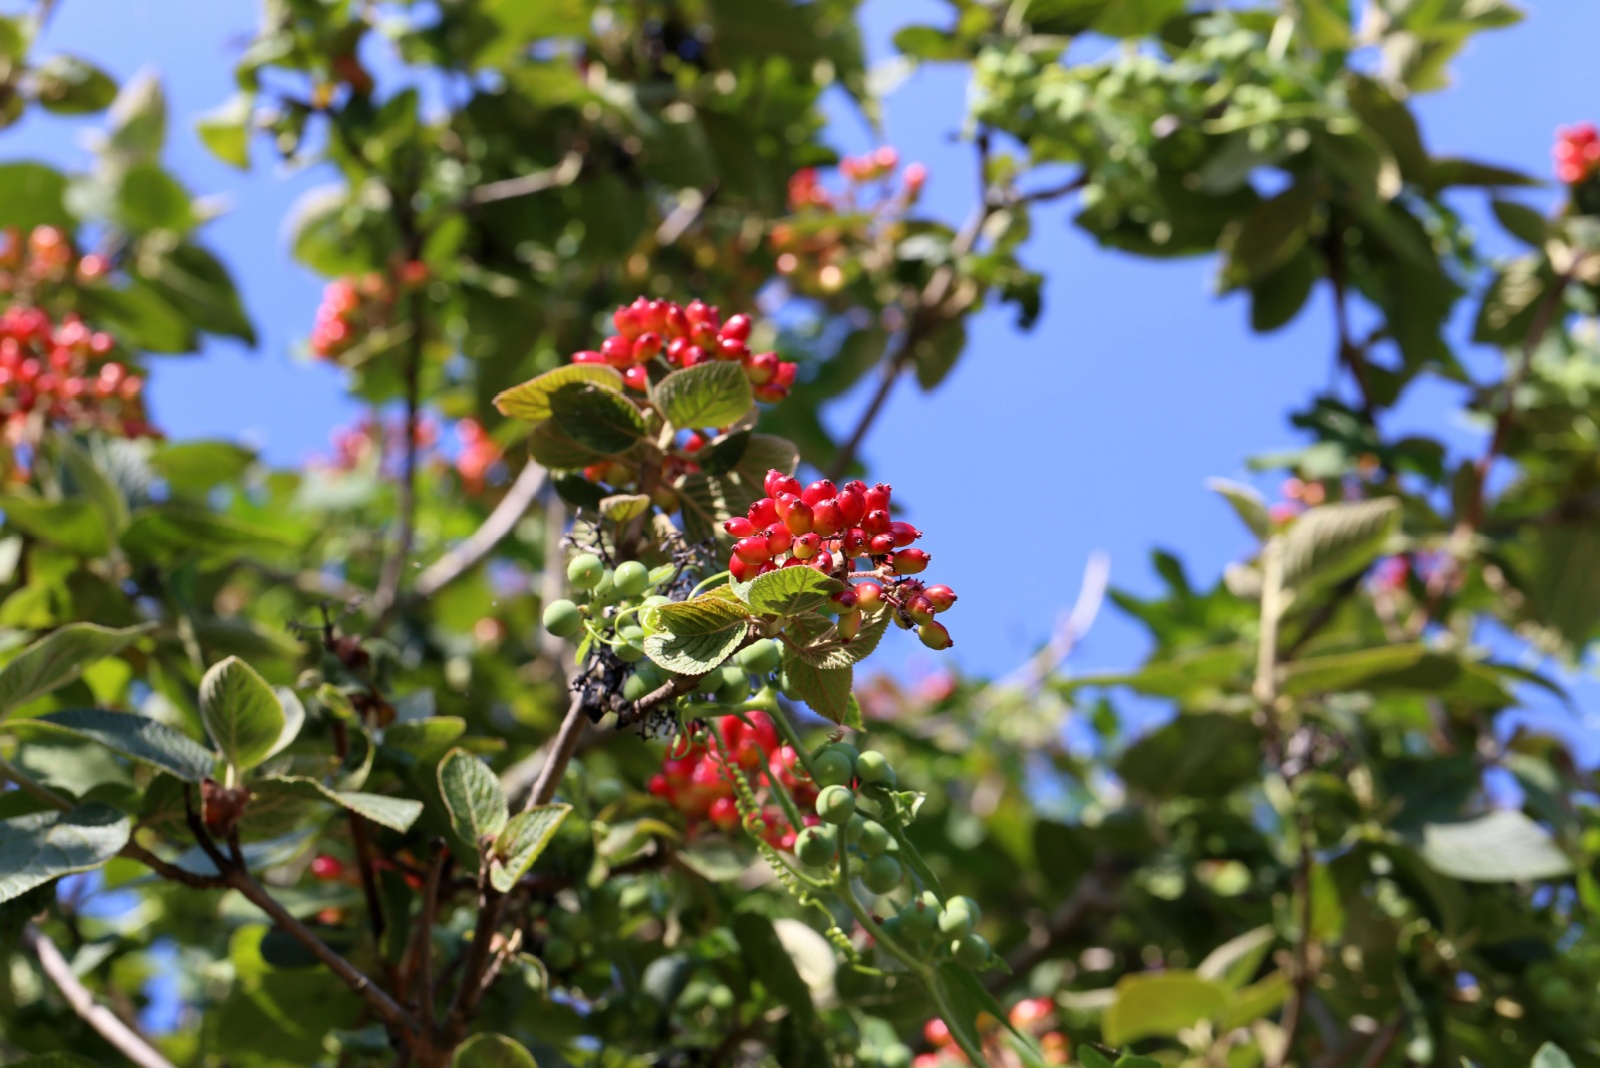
{"x": 1236, "y": 961}
{"x": 395, "y": 813}
{"x": 198, "y": 466}
{"x": 1161, "y": 1004}
{"x": 148, "y": 198}
{"x": 1551, "y": 1055}
{"x": 791, "y": 591}
{"x": 712, "y": 394}
{"x": 1556, "y": 567}
{"x": 226, "y": 130}
{"x": 492, "y": 1051}
{"x": 764, "y": 954}
{"x": 1332, "y": 542}
{"x": 241, "y": 713}
{"x": 696, "y": 653}
{"x": 32, "y": 194}
{"x": 1273, "y": 231}
{"x": 1247, "y": 505}
{"x": 525, "y": 837}
{"x": 854, "y": 651}
{"x": 68, "y": 85}
{"x": 196, "y": 283}
{"x": 826, "y": 690}
{"x": 531, "y": 400}
{"x": 1522, "y": 222}
{"x": 75, "y": 525}
{"x": 1502, "y": 847}
{"x": 1205, "y": 755}
{"x": 929, "y": 44}
{"x": 177, "y": 531}
{"x": 597, "y": 418}
{"x": 709, "y": 613}
{"x": 472, "y": 796}
{"x": 935, "y": 355}
{"x": 58, "y": 658}
{"x": 623, "y": 507}
{"x": 44, "y": 846}
{"x": 425, "y": 740}
{"x": 54, "y": 1060}
{"x": 137, "y": 738}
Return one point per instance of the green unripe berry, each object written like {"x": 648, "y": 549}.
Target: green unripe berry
{"x": 735, "y": 686}
{"x": 563, "y": 618}
{"x": 919, "y": 921}
{"x": 836, "y": 804}
{"x": 709, "y": 683}
{"x": 762, "y": 657}
{"x": 630, "y": 633}
{"x": 720, "y": 997}
{"x": 971, "y": 951}
{"x": 651, "y": 673}
{"x": 955, "y": 922}
{"x": 873, "y": 767}
{"x": 632, "y": 578}
{"x": 875, "y": 838}
{"x": 585, "y": 571}
{"x": 847, "y": 749}
{"x": 605, "y": 593}
{"x": 966, "y": 904}
{"x": 832, "y": 768}
{"x": 853, "y": 829}
{"x": 635, "y": 687}
{"x": 882, "y": 874}
{"x": 815, "y": 847}
{"x": 629, "y": 653}
{"x": 891, "y": 929}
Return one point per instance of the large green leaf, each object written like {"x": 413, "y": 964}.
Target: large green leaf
{"x": 712, "y": 394}
{"x": 1204, "y": 755}
{"x": 694, "y": 654}
{"x": 176, "y": 531}
{"x": 241, "y": 713}
{"x": 825, "y": 689}
{"x": 395, "y": 813}
{"x": 765, "y": 956}
{"x": 1247, "y": 504}
{"x": 32, "y": 194}
{"x": 472, "y": 797}
{"x": 1335, "y": 541}
{"x": 597, "y": 418}
{"x": 1161, "y": 1004}
{"x": 75, "y": 525}
{"x": 525, "y": 837}
{"x": 137, "y": 738}
{"x": 58, "y": 658}
{"x": 492, "y": 1051}
{"x": 531, "y": 400}
{"x": 68, "y": 85}
{"x": 789, "y": 591}
{"x": 198, "y": 285}
{"x": 38, "y": 848}
{"x": 1502, "y": 847}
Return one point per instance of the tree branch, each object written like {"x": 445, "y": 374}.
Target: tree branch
{"x": 106, "y": 1023}
{"x": 564, "y": 173}
{"x": 501, "y": 522}
{"x": 561, "y": 750}
{"x": 394, "y": 566}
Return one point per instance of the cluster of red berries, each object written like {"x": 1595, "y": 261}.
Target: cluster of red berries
{"x": 59, "y": 373}
{"x": 830, "y": 528}
{"x": 354, "y": 445}
{"x": 815, "y": 247}
{"x": 1032, "y": 1016}
{"x": 352, "y": 308}
{"x": 47, "y": 256}
{"x": 806, "y": 191}
{"x": 698, "y": 782}
{"x": 478, "y": 455}
{"x": 683, "y": 336}
{"x": 1577, "y": 152}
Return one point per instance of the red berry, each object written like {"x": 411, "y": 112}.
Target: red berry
{"x": 904, "y": 534}
{"x": 819, "y": 491}
{"x": 326, "y": 868}
{"x": 919, "y": 608}
{"x": 646, "y": 346}
{"x": 941, "y": 597}
{"x": 770, "y": 485}
{"x": 823, "y": 561}
{"x": 869, "y": 596}
{"x": 878, "y": 497}
{"x": 779, "y": 538}
{"x": 934, "y": 636}
{"x": 626, "y": 320}
{"x": 618, "y": 351}
{"x": 852, "y": 505}
{"x": 637, "y": 378}
{"x": 764, "y": 512}
{"x": 853, "y": 543}
{"x": 729, "y": 349}
{"x": 752, "y": 550}
{"x": 909, "y": 561}
{"x": 826, "y": 518}
{"x": 875, "y": 522}
{"x": 737, "y": 327}
{"x": 739, "y": 527}
{"x": 846, "y": 599}
{"x": 798, "y": 517}
{"x": 806, "y": 546}
{"x": 880, "y": 544}
{"x": 725, "y": 813}
{"x": 739, "y": 569}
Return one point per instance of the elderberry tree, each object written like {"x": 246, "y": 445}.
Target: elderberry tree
{"x": 535, "y": 724}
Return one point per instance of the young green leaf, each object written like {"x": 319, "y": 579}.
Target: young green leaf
{"x": 531, "y": 400}
{"x": 241, "y": 713}
{"x": 1161, "y": 1004}
{"x": 1335, "y": 541}
{"x": 709, "y": 394}
{"x": 1247, "y": 505}
{"x": 395, "y": 813}
{"x": 596, "y": 418}
{"x": 135, "y": 737}
{"x": 1502, "y": 847}
{"x": 525, "y": 837}
{"x": 472, "y": 796}
{"x": 789, "y": 591}
{"x": 492, "y": 1051}
{"x": 826, "y": 690}
{"x": 58, "y": 658}
{"x": 44, "y": 846}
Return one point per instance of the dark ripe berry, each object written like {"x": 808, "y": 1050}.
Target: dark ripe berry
{"x": 676, "y": 323}
{"x": 833, "y": 767}
{"x": 637, "y": 378}
{"x": 919, "y": 920}
{"x": 836, "y": 804}
{"x": 752, "y": 550}
{"x": 880, "y": 544}
{"x": 826, "y": 518}
{"x": 904, "y": 534}
{"x": 693, "y": 356}
{"x": 771, "y": 485}
{"x": 919, "y": 608}
{"x": 729, "y": 349}
{"x": 778, "y": 538}
{"x": 875, "y": 522}
{"x": 883, "y": 875}
{"x": 849, "y": 624}
{"x": 934, "y": 635}
{"x": 910, "y": 562}
{"x": 873, "y": 767}
{"x": 971, "y": 951}
{"x": 941, "y": 597}
{"x": 764, "y": 512}
{"x": 618, "y": 351}
{"x": 787, "y": 484}
{"x": 819, "y": 491}
{"x": 737, "y": 327}
{"x": 739, "y": 527}
{"x": 805, "y": 546}
{"x": 853, "y": 543}
{"x": 823, "y": 561}
{"x": 869, "y": 596}
{"x": 878, "y": 497}
{"x": 852, "y": 506}
{"x": 798, "y": 518}
{"x": 646, "y": 345}
{"x": 632, "y": 578}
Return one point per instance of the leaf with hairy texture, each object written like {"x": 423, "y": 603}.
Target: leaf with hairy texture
{"x": 525, "y": 837}
{"x": 472, "y": 797}
{"x": 492, "y": 1051}
{"x": 1246, "y": 503}
{"x": 395, "y": 813}
{"x": 852, "y": 652}
{"x": 137, "y": 738}
{"x": 531, "y": 400}
{"x": 825, "y": 690}
{"x": 709, "y": 613}
{"x": 552, "y": 448}
{"x": 596, "y": 418}
{"x": 39, "y": 848}
{"x": 694, "y": 654}
{"x": 241, "y": 713}
{"x": 623, "y": 507}
{"x": 1502, "y": 847}
{"x": 790, "y": 591}
{"x": 1551, "y": 1055}
{"x": 710, "y": 394}
{"x": 1335, "y": 541}
{"x": 1161, "y": 1004}
{"x": 58, "y": 658}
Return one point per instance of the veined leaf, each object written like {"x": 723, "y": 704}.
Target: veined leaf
{"x": 1501, "y": 847}
{"x": 472, "y": 796}
{"x": 531, "y": 400}
{"x": 711, "y": 394}
{"x": 596, "y": 418}
{"x": 58, "y": 658}
{"x": 395, "y": 813}
{"x": 1335, "y": 541}
{"x": 789, "y": 591}
{"x": 826, "y": 690}
{"x": 522, "y": 841}
{"x": 1247, "y": 505}
{"x": 137, "y": 738}
{"x": 44, "y": 846}
{"x": 241, "y": 713}
{"x": 1161, "y": 1004}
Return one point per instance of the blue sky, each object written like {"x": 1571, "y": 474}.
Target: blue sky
{"x": 1096, "y": 431}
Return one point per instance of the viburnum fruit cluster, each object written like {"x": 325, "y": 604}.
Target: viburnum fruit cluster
{"x": 478, "y": 455}
{"x": 46, "y": 257}
{"x": 60, "y": 374}
{"x": 353, "y": 308}
{"x": 1577, "y": 152}
{"x": 1035, "y": 1017}
{"x": 697, "y": 780}
{"x": 825, "y": 236}
{"x": 667, "y": 336}
{"x": 833, "y": 529}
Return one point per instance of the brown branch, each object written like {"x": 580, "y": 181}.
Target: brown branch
{"x": 421, "y": 950}
{"x": 564, "y": 173}
{"x": 561, "y": 750}
{"x": 1300, "y": 989}
{"x": 394, "y": 566}
{"x": 476, "y": 964}
{"x": 501, "y": 522}
{"x": 106, "y": 1023}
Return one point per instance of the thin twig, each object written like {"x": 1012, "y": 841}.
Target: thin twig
{"x": 1069, "y": 631}
{"x": 564, "y": 173}
{"x": 422, "y": 943}
{"x": 106, "y": 1023}
{"x": 573, "y": 725}
{"x": 394, "y": 566}
{"x": 501, "y": 522}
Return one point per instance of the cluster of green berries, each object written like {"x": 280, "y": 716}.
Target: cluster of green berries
{"x": 623, "y": 587}
{"x": 870, "y": 850}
